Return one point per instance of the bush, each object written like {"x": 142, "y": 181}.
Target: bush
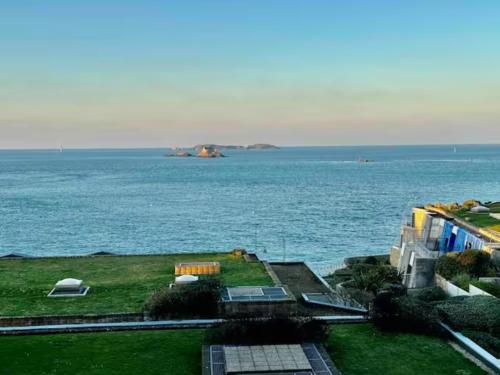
{"x": 448, "y": 266}
{"x": 199, "y": 299}
{"x": 339, "y": 276}
{"x": 431, "y": 294}
{"x": 485, "y": 340}
{"x": 491, "y": 288}
{"x": 361, "y": 296}
{"x": 405, "y": 314}
{"x": 384, "y": 310}
{"x": 372, "y": 278}
{"x": 475, "y": 263}
{"x": 371, "y": 260}
{"x": 479, "y": 313}
{"x": 462, "y": 280}
{"x": 418, "y": 316}
{"x": 277, "y": 330}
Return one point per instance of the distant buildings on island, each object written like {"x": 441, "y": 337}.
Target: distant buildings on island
{"x": 214, "y": 151}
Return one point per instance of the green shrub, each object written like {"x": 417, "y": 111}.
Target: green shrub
{"x": 448, "y": 266}
{"x": 277, "y": 330}
{"x": 198, "y": 299}
{"x": 405, "y": 314}
{"x": 418, "y": 316}
{"x": 339, "y": 276}
{"x": 430, "y": 294}
{"x": 361, "y": 296}
{"x": 371, "y": 260}
{"x": 491, "y": 288}
{"x": 479, "y": 313}
{"x": 462, "y": 280}
{"x": 372, "y": 278}
{"x": 485, "y": 340}
{"x": 474, "y": 262}
{"x": 384, "y": 311}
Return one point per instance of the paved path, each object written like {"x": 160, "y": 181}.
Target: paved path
{"x": 301, "y": 279}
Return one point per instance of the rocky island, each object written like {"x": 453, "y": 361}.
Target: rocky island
{"x": 262, "y": 146}
{"x": 199, "y": 147}
{"x": 179, "y": 153}
{"x": 257, "y": 146}
{"x": 214, "y": 151}
{"x": 210, "y": 152}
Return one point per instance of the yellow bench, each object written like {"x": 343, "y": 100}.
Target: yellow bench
{"x": 197, "y": 268}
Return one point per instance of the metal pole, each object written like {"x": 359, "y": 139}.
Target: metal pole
{"x": 284, "y": 249}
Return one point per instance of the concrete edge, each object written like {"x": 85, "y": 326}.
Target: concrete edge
{"x": 270, "y": 271}
{"x": 341, "y": 307}
{"x": 474, "y": 349}
{"x": 94, "y": 254}
{"x": 148, "y": 325}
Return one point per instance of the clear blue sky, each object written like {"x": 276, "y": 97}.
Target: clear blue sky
{"x": 164, "y": 73}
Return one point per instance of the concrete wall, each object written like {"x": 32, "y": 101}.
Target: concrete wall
{"x": 422, "y": 273}
{"x": 238, "y": 309}
{"x": 477, "y": 351}
{"x": 70, "y": 319}
{"x": 475, "y": 291}
{"x": 450, "y": 289}
{"x": 394, "y": 256}
{"x": 454, "y": 291}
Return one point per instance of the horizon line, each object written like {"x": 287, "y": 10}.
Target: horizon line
{"x": 234, "y": 144}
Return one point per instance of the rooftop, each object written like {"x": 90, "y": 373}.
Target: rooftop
{"x": 118, "y": 284}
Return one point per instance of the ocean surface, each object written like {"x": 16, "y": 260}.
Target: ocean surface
{"x": 316, "y": 204}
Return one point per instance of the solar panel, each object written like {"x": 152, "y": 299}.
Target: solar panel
{"x": 254, "y": 294}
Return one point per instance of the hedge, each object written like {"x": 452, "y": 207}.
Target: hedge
{"x": 491, "y": 288}
{"x": 479, "y": 313}
{"x": 431, "y": 294}
{"x": 199, "y": 299}
{"x": 472, "y": 262}
{"x": 277, "y": 330}
{"x": 485, "y": 340}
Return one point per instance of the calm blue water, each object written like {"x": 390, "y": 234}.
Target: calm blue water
{"x": 324, "y": 204}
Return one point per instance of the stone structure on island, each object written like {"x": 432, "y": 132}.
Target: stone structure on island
{"x": 209, "y": 152}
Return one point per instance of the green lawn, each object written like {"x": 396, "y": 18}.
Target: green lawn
{"x": 118, "y": 283}
{"x": 481, "y": 220}
{"x": 175, "y": 352}
{"x": 361, "y": 349}
{"x": 356, "y": 349}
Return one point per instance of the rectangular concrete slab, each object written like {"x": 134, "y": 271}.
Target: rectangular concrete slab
{"x": 264, "y": 358}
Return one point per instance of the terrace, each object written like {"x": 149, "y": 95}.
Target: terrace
{"x": 118, "y": 284}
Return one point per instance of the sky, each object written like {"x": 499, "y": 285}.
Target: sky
{"x": 98, "y": 73}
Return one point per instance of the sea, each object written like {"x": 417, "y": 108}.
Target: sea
{"x": 316, "y": 204}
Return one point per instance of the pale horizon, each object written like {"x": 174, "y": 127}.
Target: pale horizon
{"x": 89, "y": 74}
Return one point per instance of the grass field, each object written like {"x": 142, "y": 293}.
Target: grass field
{"x": 357, "y": 349}
{"x": 363, "y": 350}
{"x": 175, "y": 352}
{"x": 481, "y": 220}
{"x": 118, "y": 283}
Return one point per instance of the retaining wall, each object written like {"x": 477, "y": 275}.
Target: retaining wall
{"x": 450, "y": 289}
{"x": 7, "y": 321}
